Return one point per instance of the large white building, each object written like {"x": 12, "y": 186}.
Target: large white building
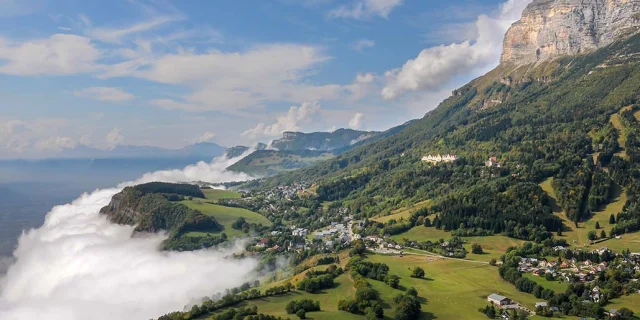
{"x": 440, "y": 158}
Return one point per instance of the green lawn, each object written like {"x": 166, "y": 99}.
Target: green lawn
{"x": 216, "y": 194}
{"x": 556, "y": 286}
{"x": 578, "y": 237}
{"x": 455, "y": 289}
{"x": 402, "y": 212}
{"x": 631, "y": 302}
{"x": 493, "y": 246}
{"x": 226, "y": 216}
{"x": 421, "y": 234}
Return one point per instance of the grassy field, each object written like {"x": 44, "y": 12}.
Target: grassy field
{"x": 579, "y": 236}
{"x": 493, "y": 246}
{"x": 454, "y": 289}
{"x": 421, "y": 233}
{"x": 216, "y": 194}
{"x": 403, "y": 213}
{"x": 556, "y": 286}
{"x": 622, "y": 136}
{"x": 225, "y": 216}
{"x": 328, "y": 302}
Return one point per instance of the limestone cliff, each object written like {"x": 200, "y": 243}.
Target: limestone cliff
{"x": 553, "y": 28}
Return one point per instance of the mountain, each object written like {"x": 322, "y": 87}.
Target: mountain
{"x": 237, "y": 151}
{"x": 320, "y": 140}
{"x": 571, "y": 120}
{"x": 262, "y": 163}
{"x": 550, "y": 29}
{"x": 204, "y": 150}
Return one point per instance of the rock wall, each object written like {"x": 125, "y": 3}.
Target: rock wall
{"x": 553, "y": 28}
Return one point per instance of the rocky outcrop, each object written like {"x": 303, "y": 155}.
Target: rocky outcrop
{"x": 553, "y": 28}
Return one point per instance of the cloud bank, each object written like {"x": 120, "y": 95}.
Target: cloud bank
{"x": 291, "y": 121}
{"x": 80, "y": 266}
{"x": 436, "y": 66}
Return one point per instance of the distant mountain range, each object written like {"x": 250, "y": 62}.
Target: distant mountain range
{"x": 204, "y": 149}
{"x": 297, "y": 150}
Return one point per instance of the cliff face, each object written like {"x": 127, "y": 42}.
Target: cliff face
{"x": 552, "y": 28}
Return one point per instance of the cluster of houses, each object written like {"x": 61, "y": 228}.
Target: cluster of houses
{"x": 434, "y": 159}
{"x": 382, "y": 244}
{"x": 570, "y": 270}
{"x": 336, "y": 233}
{"x": 286, "y": 192}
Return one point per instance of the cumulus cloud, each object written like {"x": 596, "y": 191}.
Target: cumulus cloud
{"x": 291, "y": 121}
{"x": 365, "y": 9}
{"x": 19, "y": 136}
{"x": 206, "y": 137}
{"x": 436, "y": 66}
{"x": 357, "y": 121}
{"x": 60, "y": 54}
{"x": 114, "y": 138}
{"x": 80, "y": 266}
{"x": 225, "y": 81}
{"x": 104, "y": 94}
{"x": 362, "y": 44}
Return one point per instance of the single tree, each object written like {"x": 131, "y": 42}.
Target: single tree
{"x": 301, "y": 314}
{"x": 612, "y": 219}
{"x": 603, "y": 234}
{"x": 597, "y": 225}
{"x": 476, "y": 249}
{"x": 592, "y": 235}
{"x": 417, "y": 272}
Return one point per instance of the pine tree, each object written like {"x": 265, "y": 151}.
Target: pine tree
{"x": 597, "y": 225}
{"x": 612, "y": 219}
{"x": 603, "y": 234}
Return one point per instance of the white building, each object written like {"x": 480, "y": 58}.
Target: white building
{"x": 439, "y": 158}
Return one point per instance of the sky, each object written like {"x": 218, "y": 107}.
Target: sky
{"x": 174, "y": 73}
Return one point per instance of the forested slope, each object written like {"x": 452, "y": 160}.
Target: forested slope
{"x": 540, "y": 121}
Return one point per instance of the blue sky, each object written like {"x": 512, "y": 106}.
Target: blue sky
{"x": 172, "y": 73}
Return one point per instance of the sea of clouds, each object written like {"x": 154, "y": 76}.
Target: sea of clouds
{"x": 80, "y": 266}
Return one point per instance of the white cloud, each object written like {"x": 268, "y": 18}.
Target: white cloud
{"x": 20, "y": 136}
{"x": 362, "y": 44}
{"x": 365, "y": 9}
{"x": 116, "y": 35}
{"x": 291, "y": 121}
{"x": 60, "y": 54}
{"x": 435, "y": 67}
{"x": 80, "y": 266}
{"x": 114, "y": 138}
{"x": 56, "y": 144}
{"x": 105, "y": 94}
{"x": 357, "y": 121}
{"x": 206, "y": 137}
{"x": 232, "y": 81}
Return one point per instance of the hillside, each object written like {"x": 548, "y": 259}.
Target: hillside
{"x": 270, "y": 162}
{"x": 538, "y": 204}
{"x": 264, "y": 163}
{"x": 544, "y": 119}
{"x": 323, "y": 141}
